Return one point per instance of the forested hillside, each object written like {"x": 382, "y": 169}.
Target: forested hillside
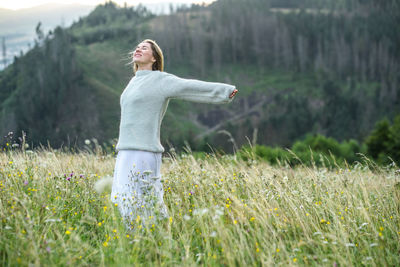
{"x": 328, "y": 67}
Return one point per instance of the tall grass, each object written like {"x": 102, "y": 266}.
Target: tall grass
{"x": 223, "y": 211}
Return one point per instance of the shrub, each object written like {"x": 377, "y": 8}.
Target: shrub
{"x": 383, "y": 144}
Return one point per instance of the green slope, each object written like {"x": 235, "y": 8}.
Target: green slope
{"x": 283, "y": 104}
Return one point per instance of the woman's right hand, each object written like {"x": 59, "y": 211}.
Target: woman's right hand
{"x": 233, "y": 93}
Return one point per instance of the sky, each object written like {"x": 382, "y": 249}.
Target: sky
{"x": 18, "y": 4}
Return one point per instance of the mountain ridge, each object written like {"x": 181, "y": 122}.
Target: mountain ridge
{"x": 324, "y": 93}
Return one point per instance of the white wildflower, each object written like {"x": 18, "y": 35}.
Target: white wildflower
{"x": 103, "y": 184}
{"x": 200, "y": 212}
{"x": 362, "y": 225}
{"x": 144, "y": 181}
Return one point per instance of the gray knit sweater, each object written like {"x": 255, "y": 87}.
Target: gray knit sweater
{"x": 145, "y": 100}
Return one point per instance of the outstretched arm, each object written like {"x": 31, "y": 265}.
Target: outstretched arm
{"x": 196, "y": 90}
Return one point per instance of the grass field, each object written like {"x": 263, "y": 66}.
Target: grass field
{"x": 223, "y": 212}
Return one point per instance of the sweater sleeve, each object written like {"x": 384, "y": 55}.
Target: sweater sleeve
{"x": 196, "y": 90}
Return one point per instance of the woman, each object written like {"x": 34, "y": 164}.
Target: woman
{"x": 137, "y": 189}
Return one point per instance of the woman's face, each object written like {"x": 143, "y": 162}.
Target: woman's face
{"x": 143, "y": 54}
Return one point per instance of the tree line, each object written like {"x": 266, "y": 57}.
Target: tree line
{"x": 349, "y": 47}
{"x": 382, "y": 146}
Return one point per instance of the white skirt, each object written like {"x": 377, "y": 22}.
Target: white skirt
{"x": 137, "y": 188}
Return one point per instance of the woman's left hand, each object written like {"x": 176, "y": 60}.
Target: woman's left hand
{"x": 233, "y": 93}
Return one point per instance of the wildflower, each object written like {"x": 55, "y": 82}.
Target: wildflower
{"x": 277, "y": 250}
{"x": 252, "y": 219}
{"x": 26, "y": 183}
{"x": 68, "y": 232}
{"x": 105, "y": 244}
{"x": 200, "y": 212}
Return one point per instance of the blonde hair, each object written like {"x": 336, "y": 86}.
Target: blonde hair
{"x": 157, "y": 53}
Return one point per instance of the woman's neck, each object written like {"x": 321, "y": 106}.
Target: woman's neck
{"x": 144, "y": 67}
